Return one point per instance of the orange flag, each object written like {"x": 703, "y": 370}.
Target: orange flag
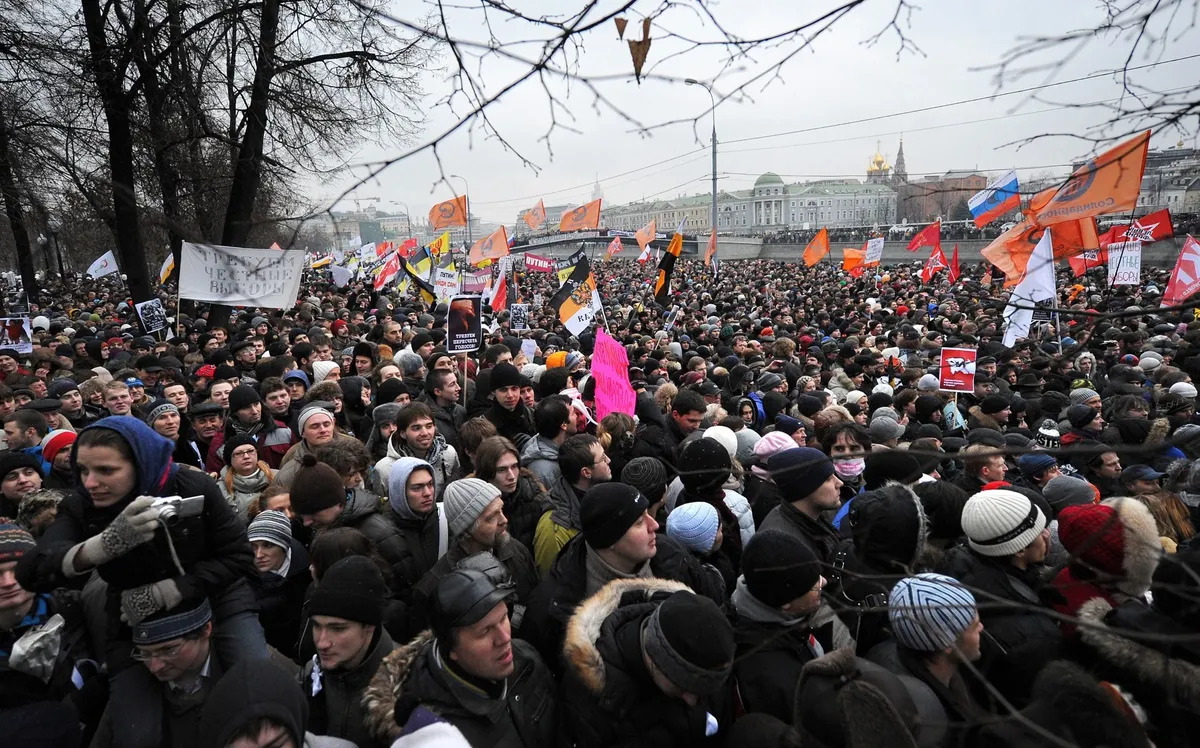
{"x": 711, "y": 251}
{"x": 1011, "y": 250}
{"x": 535, "y": 216}
{"x": 645, "y": 234}
{"x": 584, "y": 217}
{"x": 817, "y": 248}
{"x": 491, "y": 247}
{"x": 1108, "y": 183}
{"x": 450, "y": 213}
{"x": 852, "y": 258}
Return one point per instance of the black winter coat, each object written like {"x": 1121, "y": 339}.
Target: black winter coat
{"x": 409, "y": 546}
{"x": 820, "y": 536}
{"x": 281, "y": 601}
{"x": 768, "y": 662}
{"x": 525, "y": 506}
{"x": 516, "y": 425}
{"x": 763, "y": 496}
{"x": 555, "y": 599}
{"x": 1017, "y": 641}
{"x": 212, "y": 549}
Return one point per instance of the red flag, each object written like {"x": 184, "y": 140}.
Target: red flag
{"x": 1147, "y": 229}
{"x": 711, "y": 251}
{"x": 1185, "y": 278}
{"x": 613, "y": 247}
{"x": 383, "y": 248}
{"x": 930, "y": 236}
{"x": 390, "y": 270}
{"x": 936, "y": 262}
{"x": 499, "y": 300}
{"x": 408, "y": 248}
{"x": 954, "y": 272}
{"x": 1090, "y": 258}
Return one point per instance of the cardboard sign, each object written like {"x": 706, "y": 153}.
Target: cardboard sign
{"x": 152, "y": 314}
{"x": 1125, "y": 263}
{"x": 464, "y": 325}
{"x": 874, "y": 251}
{"x": 16, "y": 333}
{"x": 957, "y": 370}
{"x": 445, "y": 284}
{"x": 519, "y": 317}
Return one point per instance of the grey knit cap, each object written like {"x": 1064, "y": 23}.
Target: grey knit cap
{"x": 463, "y": 502}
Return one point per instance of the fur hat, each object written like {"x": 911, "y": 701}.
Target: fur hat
{"x": 1118, "y": 538}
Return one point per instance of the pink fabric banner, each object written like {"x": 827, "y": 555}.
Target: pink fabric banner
{"x": 610, "y": 367}
{"x": 537, "y": 263}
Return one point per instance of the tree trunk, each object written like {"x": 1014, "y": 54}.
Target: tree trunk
{"x": 16, "y": 216}
{"x": 115, "y": 100}
{"x": 247, "y": 172}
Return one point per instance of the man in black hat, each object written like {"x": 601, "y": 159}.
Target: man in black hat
{"x": 248, "y": 417}
{"x": 648, "y": 663}
{"x": 149, "y": 368}
{"x": 67, "y": 392}
{"x": 208, "y": 420}
{"x": 511, "y": 417}
{"x": 511, "y": 696}
{"x": 179, "y": 669}
{"x": 618, "y": 541}
{"x": 346, "y": 620}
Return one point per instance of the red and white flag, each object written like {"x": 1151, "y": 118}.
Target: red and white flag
{"x": 1185, "y": 278}
{"x": 645, "y": 255}
{"x": 614, "y": 247}
{"x": 936, "y": 262}
{"x": 1148, "y": 228}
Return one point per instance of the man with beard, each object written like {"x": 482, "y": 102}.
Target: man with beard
{"x": 475, "y": 516}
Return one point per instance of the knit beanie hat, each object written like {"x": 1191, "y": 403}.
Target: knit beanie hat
{"x": 724, "y": 436}
{"x": 1001, "y": 523}
{"x": 391, "y": 389}
{"x": 322, "y": 369}
{"x": 808, "y": 405}
{"x": 504, "y": 375}
{"x": 927, "y": 383}
{"x": 648, "y": 475}
{"x": 690, "y": 641}
{"x": 307, "y": 413}
{"x": 271, "y": 526}
{"x": 695, "y": 526}
{"x": 1081, "y": 395}
{"x": 928, "y": 612}
{"x": 243, "y": 396}
{"x": 607, "y": 511}
{"x": 1118, "y": 539}
{"x": 316, "y": 486}
{"x": 158, "y": 409}
{"x": 1035, "y": 463}
{"x": 11, "y": 461}
{"x": 890, "y": 465}
{"x": 1068, "y": 490}
{"x": 410, "y": 363}
{"x": 351, "y": 589}
{"x": 778, "y": 568}
{"x": 1081, "y": 415}
{"x": 62, "y": 386}
{"x": 55, "y": 441}
{"x": 15, "y": 542}
{"x": 1183, "y": 389}
{"x": 464, "y": 500}
{"x": 703, "y": 465}
{"x": 775, "y": 441}
{"x": 1047, "y": 435}
{"x": 993, "y": 404}
{"x": 799, "y": 471}
{"x": 233, "y": 442}
{"x": 787, "y": 424}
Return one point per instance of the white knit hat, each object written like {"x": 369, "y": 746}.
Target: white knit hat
{"x": 724, "y": 436}
{"x": 1000, "y": 522}
{"x": 694, "y": 525}
{"x": 321, "y": 369}
{"x": 1186, "y": 389}
{"x": 928, "y": 383}
{"x": 464, "y": 500}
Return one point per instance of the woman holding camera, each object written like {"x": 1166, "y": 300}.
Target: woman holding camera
{"x": 151, "y": 561}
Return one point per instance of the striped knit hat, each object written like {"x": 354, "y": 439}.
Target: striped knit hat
{"x": 15, "y": 542}
{"x": 273, "y": 527}
{"x": 929, "y": 611}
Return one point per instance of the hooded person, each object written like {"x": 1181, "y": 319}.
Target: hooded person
{"x": 888, "y": 540}
{"x": 259, "y": 701}
{"x": 1007, "y": 542}
{"x": 415, "y": 536}
{"x": 648, "y": 663}
{"x": 112, "y": 525}
{"x": 780, "y": 623}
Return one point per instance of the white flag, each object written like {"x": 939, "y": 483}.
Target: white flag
{"x": 1037, "y": 285}
{"x": 105, "y": 264}
{"x": 341, "y": 275}
{"x": 167, "y": 268}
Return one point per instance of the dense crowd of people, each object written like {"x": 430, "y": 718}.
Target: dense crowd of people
{"x": 315, "y": 527}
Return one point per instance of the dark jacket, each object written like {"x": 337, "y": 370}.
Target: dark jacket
{"x": 609, "y": 698}
{"x": 447, "y": 420}
{"x": 658, "y": 439}
{"x": 516, "y": 425}
{"x": 525, "y": 506}
{"x": 17, "y": 686}
{"x": 337, "y": 708}
{"x": 408, "y": 544}
{"x": 962, "y": 714}
{"x": 281, "y": 600}
{"x": 515, "y": 557}
{"x": 523, "y": 715}
{"x": 1017, "y": 639}
{"x": 564, "y": 588}
{"x": 272, "y": 442}
{"x": 820, "y": 536}
{"x": 763, "y": 496}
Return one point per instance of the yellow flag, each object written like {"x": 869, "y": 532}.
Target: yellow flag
{"x": 440, "y": 245}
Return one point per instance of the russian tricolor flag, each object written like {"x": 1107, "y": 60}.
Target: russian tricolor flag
{"x": 1000, "y": 197}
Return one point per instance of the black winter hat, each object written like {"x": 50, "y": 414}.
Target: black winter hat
{"x": 993, "y": 404}
{"x": 690, "y": 641}
{"x": 420, "y": 339}
{"x": 704, "y": 464}
{"x": 504, "y": 375}
{"x": 607, "y": 511}
{"x": 890, "y": 465}
{"x": 316, "y": 486}
{"x": 225, "y": 371}
{"x": 242, "y": 396}
{"x": 390, "y": 389}
{"x": 1081, "y": 415}
{"x": 232, "y": 443}
{"x": 778, "y": 568}
{"x": 808, "y": 405}
{"x": 352, "y": 589}
{"x": 363, "y": 348}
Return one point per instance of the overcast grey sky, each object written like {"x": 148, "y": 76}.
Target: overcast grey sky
{"x": 840, "y": 79}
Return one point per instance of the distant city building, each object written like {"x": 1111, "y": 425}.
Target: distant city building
{"x": 935, "y": 197}
{"x": 1171, "y": 180}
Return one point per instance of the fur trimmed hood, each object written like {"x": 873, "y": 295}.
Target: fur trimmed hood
{"x": 379, "y": 698}
{"x": 889, "y": 524}
{"x": 983, "y": 420}
{"x": 1143, "y": 549}
{"x": 583, "y": 630}
{"x": 1180, "y": 680}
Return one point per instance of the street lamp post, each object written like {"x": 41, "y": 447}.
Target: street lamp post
{"x": 467, "y": 198}
{"x": 44, "y": 243}
{"x": 711, "y": 98}
{"x": 407, "y": 215}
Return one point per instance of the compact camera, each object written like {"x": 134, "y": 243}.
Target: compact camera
{"x": 171, "y": 509}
